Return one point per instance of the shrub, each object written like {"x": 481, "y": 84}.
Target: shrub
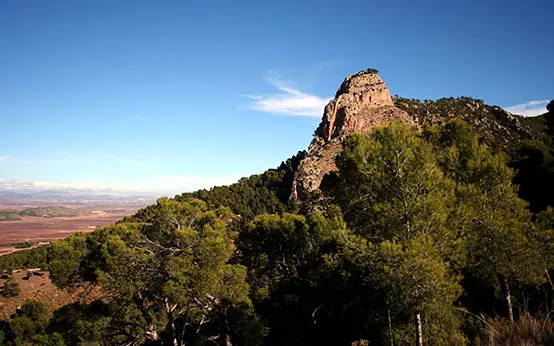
{"x": 11, "y": 288}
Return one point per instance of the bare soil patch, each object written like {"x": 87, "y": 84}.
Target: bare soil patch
{"x": 38, "y": 229}
{"x": 40, "y": 288}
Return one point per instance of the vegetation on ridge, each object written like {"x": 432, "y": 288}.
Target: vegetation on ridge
{"x": 425, "y": 237}
{"x": 497, "y": 129}
{"x": 49, "y": 212}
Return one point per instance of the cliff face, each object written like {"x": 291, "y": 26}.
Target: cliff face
{"x": 361, "y": 104}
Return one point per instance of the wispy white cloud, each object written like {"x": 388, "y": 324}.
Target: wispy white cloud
{"x": 529, "y": 109}
{"x": 288, "y": 101}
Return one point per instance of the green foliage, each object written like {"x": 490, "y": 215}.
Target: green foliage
{"x": 172, "y": 275}
{"x": 9, "y": 215}
{"x": 63, "y": 258}
{"x": 497, "y": 129}
{"x": 392, "y": 175}
{"x": 10, "y": 288}
{"x": 498, "y": 229}
{"x": 549, "y": 120}
{"x": 258, "y": 194}
{"x": 410, "y": 277}
{"x": 400, "y": 205}
{"x": 281, "y": 248}
{"x": 534, "y": 162}
{"x": 32, "y": 258}
{"x": 292, "y": 285}
{"x": 416, "y": 223}
{"x": 396, "y": 186}
{"x": 49, "y": 212}
{"x": 264, "y": 193}
{"x": 97, "y": 323}
{"x": 28, "y": 327}
{"x": 25, "y": 245}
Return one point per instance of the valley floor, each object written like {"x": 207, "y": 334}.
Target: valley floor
{"x": 38, "y": 229}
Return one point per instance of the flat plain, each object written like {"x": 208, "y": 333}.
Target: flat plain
{"x": 39, "y": 229}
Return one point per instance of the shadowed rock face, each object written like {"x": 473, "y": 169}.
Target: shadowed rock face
{"x": 361, "y": 104}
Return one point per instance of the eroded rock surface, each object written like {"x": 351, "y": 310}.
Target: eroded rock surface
{"x": 361, "y": 104}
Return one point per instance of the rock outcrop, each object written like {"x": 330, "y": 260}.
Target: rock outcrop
{"x": 361, "y": 104}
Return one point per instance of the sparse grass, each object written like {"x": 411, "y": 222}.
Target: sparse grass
{"x": 527, "y": 331}
{"x": 41, "y": 289}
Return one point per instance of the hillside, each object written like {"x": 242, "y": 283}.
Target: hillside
{"x": 363, "y": 103}
{"x": 46, "y": 212}
{"x": 499, "y": 129}
{"x": 417, "y": 231}
{"x": 49, "y": 212}
{"x": 9, "y": 215}
{"x": 39, "y": 287}
{"x": 258, "y": 194}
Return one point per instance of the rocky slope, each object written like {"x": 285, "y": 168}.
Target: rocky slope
{"x": 361, "y": 104}
{"x": 499, "y": 129}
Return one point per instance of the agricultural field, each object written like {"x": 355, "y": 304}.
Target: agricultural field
{"x": 33, "y": 230}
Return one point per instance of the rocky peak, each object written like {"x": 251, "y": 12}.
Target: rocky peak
{"x": 362, "y": 103}
{"x": 350, "y": 111}
{"x": 364, "y": 82}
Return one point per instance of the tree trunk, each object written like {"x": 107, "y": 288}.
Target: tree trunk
{"x": 171, "y": 324}
{"x": 390, "y": 329}
{"x": 548, "y": 297}
{"x": 174, "y": 335}
{"x": 228, "y": 340}
{"x": 150, "y": 332}
{"x": 419, "y": 330}
{"x": 507, "y": 296}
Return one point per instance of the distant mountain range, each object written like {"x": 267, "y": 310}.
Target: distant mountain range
{"x": 29, "y": 186}
{"x": 20, "y": 192}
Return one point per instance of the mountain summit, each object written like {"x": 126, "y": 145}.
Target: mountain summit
{"x": 361, "y": 104}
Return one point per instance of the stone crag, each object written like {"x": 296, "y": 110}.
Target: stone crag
{"x": 361, "y": 104}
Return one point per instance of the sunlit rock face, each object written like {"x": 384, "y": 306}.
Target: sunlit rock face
{"x": 361, "y": 104}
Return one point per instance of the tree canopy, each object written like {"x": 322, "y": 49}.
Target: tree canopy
{"x": 422, "y": 234}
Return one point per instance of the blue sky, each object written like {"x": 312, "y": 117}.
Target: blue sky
{"x": 168, "y": 96}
